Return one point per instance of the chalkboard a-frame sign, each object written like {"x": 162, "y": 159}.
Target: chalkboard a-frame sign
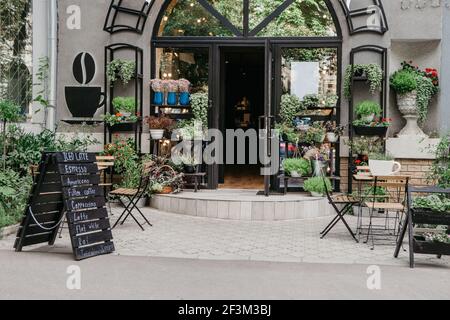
{"x": 67, "y": 185}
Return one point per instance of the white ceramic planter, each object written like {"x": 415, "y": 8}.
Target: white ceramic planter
{"x": 332, "y": 137}
{"x": 316, "y": 195}
{"x": 407, "y": 105}
{"x": 157, "y": 134}
{"x": 384, "y": 168}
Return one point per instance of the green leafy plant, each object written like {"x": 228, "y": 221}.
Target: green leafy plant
{"x": 441, "y": 237}
{"x": 380, "y": 156}
{"x": 317, "y": 185}
{"x": 310, "y": 101}
{"x": 299, "y": 165}
{"x": 440, "y": 169}
{"x": 118, "y": 118}
{"x": 14, "y": 192}
{"x": 9, "y": 112}
{"x": 365, "y": 145}
{"x": 287, "y": 132}
{"x": 403, "y": 81}
{"x": 367, "y": 108}
{"x": 124, "y": 104}
{"x": 290, "y": 106}
{"x": 121, "y": 69}
{"x": 316, "y": 133}
{"x": 435, "y": 203}
{"x": 199, "y": 105}
{"x": 373, "y": 73}
{"x": 385, "y": 123}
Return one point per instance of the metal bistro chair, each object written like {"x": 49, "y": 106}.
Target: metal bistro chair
{"x": 396, "y": 187}
{"x": 134, "y": 196}
{"x": 346, "y": 202}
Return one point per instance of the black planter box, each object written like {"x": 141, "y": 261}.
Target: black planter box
{"x": 123, "y": 127}
{"x": 423, "y": 216}
{"x": 434, "y": 248}
{"x": 370, "y": 131}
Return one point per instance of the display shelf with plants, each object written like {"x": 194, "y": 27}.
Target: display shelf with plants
{"x": 367, "y": 118}
{"x": 309, "y": 131}
{"x": 124, "y": 113}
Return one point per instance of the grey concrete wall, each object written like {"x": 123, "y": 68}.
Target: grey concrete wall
{"x": 444, "y": 108}
{"x": 414, "y": 34}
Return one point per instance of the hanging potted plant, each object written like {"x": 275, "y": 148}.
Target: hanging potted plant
{"x": 158, "y": 91}
{"x": 374, "y": 128}
{"x": 334, "y": 131}
{"x": 124, "y": 105}
{"x": 316, "y": 186}
{"x": 172, "y": 90}
{"x": 433, "y": 209}
{"x": 121, "y": 123}
{"x": 297, "y": 167}
{"x": 159, "y": 125}
{"x": 415, "y": 89}
{"x": 370, "y": 72}
{"x": 368, "y": 110}
{"x": 383, "y": 165}
{"x": 184, "y": 87}
{"x": 121, "y": 69}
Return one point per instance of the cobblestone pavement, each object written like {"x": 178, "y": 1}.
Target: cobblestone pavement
{"x": 179, "y": 236}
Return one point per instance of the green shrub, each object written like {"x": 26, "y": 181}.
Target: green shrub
{"x": 381, "y": 156}
{"x": 432, "y": 202}
{"x": 289, "y": 108}
{"x": 124, "y": 104}
{"x": 317, "y": 185}
{"x": 14, "y": 192}
{"x": 403, "y": 81}
{"x": 367, "y": 108}
{"x": 300, "y": 165}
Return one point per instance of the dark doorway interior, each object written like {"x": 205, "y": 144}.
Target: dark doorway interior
{"x": 242, "y": 77}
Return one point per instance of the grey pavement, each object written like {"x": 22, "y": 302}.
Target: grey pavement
{"x": 43, "y": 276}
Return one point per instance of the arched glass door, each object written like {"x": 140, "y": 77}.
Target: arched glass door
{"x": 291, "y": 40}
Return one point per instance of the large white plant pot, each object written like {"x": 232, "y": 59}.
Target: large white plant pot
{"x": 407, "y": 105}
{"x": 384, "y": 168}
{"x": 157, "y": 134}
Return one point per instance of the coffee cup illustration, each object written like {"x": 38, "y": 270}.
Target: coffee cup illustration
{"x": 83, "y": 101}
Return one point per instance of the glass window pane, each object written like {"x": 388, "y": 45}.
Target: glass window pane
{"x": 310, "y": 72}
{"x": 260, "y": 9}
{"x": 188, "y": 63}
{"x": 233, "y": 10}
{"x": 189, "y": 18}
{"x": 302, "y": 19}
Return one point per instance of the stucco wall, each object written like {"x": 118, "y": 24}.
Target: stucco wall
{"x": 414, "y": 34}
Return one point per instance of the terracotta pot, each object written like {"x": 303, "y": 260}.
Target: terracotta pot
{"x": 167, "y": 190}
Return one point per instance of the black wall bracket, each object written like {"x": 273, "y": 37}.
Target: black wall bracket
{"x": 118, "y": 8}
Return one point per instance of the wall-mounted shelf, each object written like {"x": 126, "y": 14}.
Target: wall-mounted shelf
{"x": 117, "y": 8}
{"x": 111, "y": 53}
{"x": 363, "y": 15}
{"x": 383, "y": 59}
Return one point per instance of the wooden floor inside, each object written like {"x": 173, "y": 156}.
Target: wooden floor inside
{"x": 243, "y": 177}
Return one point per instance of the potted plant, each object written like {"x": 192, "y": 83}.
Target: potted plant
{"x": 383, "y": 165}
{"x": 316, "y": 133}
{"x": 189, "y": 164}
{"x": 124, "y": 105}
{"x": 199, "y": 106}
{"x": 172, "y": 90}
{"x": 370, "y": 72}
{"x": 415, "y": 89}
{"x": 290, "y": 106}
{"x": 368, "y": 110}
{"x": 158, "y": 91}
{"x": 310, "y": 101}
{"x": 184, "y": 87}
{"x": 121, "y": 69}
{"x": 121, "y": 122}
{"x": 158, "y": 126}
{"x": 432, "y": 243}
{"x": 333, "y": 131}
{"x": 329, "y": 101}
{"x": 297, "y": 167}
{"x": 316, "y": 186}
{"x": 374, "y": 128}
{"x": 320, "y": 162}
{"x": 432, "y": 209}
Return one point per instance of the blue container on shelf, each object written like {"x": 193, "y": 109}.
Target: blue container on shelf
{"x": 158, "y": 98}
{"x": 185, "y": 98}
{"x": 172, "y": 98}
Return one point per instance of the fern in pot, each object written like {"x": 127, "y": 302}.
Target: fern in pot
{"x": 317, "y": 186}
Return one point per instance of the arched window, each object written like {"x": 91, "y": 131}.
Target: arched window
{"x": 248, "y": 18}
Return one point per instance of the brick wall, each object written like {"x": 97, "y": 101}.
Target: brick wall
{"x": 416, "y": 169}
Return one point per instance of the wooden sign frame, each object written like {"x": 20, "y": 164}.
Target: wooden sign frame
{"x": 67, "y": 186}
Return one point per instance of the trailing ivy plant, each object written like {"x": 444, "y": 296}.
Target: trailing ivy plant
{"x": 373, "y": 73}
{"x": 121, "y": 69}
{"x": 199, "y": 105}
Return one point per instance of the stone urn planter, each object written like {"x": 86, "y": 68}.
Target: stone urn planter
{"x": 407, "y": 105}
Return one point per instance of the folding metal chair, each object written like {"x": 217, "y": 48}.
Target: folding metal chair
{"x": 133, "y": 196}
{"x": 395, "y": 202}
{"x": 346, "y": 202}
